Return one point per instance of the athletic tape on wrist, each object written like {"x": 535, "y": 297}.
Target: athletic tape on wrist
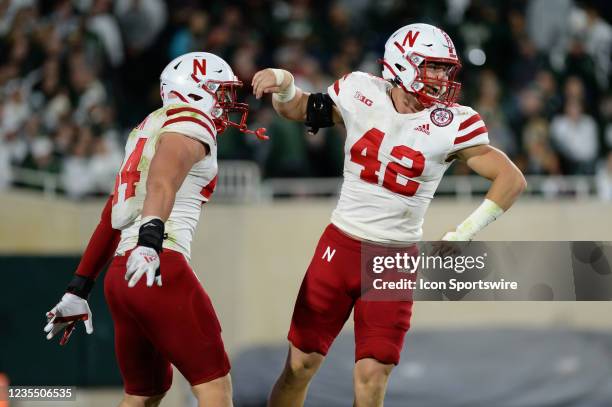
{"x": 279, "y": 74}
{"x": 287, "y": 94}
{"x": 487, "y": 212}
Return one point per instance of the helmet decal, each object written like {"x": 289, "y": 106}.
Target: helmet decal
{"x": 449, "y": 45}
{"x": 410, "y": 38}
{"x": 199, "y": 65}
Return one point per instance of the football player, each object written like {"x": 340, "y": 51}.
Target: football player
{"x": 403, "y": 131}
{"x": 161, "y": 313}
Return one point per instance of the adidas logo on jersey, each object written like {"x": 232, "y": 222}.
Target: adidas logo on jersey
{"x": 423, "y": 128}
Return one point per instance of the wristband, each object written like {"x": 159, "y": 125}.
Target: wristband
{"x": 287, "y": 94}
{"x": 151, "y": 233}
{"x": 80, "y": 286}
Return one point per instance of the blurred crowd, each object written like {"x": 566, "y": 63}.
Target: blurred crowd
{"x": 77, "y": 75}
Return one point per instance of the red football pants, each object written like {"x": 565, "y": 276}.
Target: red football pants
{"x": 332, "y": 288}
{"x": 159, "y": 326}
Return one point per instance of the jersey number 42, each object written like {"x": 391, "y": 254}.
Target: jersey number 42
{"x": 370, "y": 144}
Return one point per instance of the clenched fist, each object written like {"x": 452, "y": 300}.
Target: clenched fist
{"x": 271, "y": 81}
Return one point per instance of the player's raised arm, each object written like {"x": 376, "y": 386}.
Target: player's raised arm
{"x": 174, "y": 157}
{"x": 508, "y": 184}
{"x": 291, "y": 102}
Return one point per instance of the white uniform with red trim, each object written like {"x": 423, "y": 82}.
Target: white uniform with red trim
{"x": 394, "y": 162}
{"x": 130, "y": 184}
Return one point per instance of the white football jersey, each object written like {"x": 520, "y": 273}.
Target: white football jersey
{"x": 131, "y": 181}
{"x": 394, "y": 162}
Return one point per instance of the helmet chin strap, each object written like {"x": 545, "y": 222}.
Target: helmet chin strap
{"x": 260, "y": 132}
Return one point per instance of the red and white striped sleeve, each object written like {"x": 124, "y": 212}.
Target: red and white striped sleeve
{"x": 472, "y": 131}
{"x": 191, "y": 122}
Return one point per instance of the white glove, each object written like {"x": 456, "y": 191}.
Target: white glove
{"x": 143, "y": 260}
{"x": 66, "y": 314}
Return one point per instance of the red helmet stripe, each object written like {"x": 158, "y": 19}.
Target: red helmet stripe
{"x": 394, "y": 74}
{"x": 179, "y": 96}
{"x": 402, "y": 50}
{"x": 171, "y": 112}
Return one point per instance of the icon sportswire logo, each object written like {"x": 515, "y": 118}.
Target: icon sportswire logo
{"x": 424, "y": 128}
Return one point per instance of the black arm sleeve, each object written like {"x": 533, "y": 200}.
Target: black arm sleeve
{"x": 319, "y": 112}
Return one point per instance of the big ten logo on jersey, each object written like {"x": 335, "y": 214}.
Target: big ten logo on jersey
{"x": 363, "y": 99}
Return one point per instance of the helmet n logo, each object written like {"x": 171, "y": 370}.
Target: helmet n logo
{"x": 198, "y": 65}
{"x": 411, "y": 38}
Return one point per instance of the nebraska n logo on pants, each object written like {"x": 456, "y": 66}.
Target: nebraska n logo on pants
{"x": 329, "y": 254}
